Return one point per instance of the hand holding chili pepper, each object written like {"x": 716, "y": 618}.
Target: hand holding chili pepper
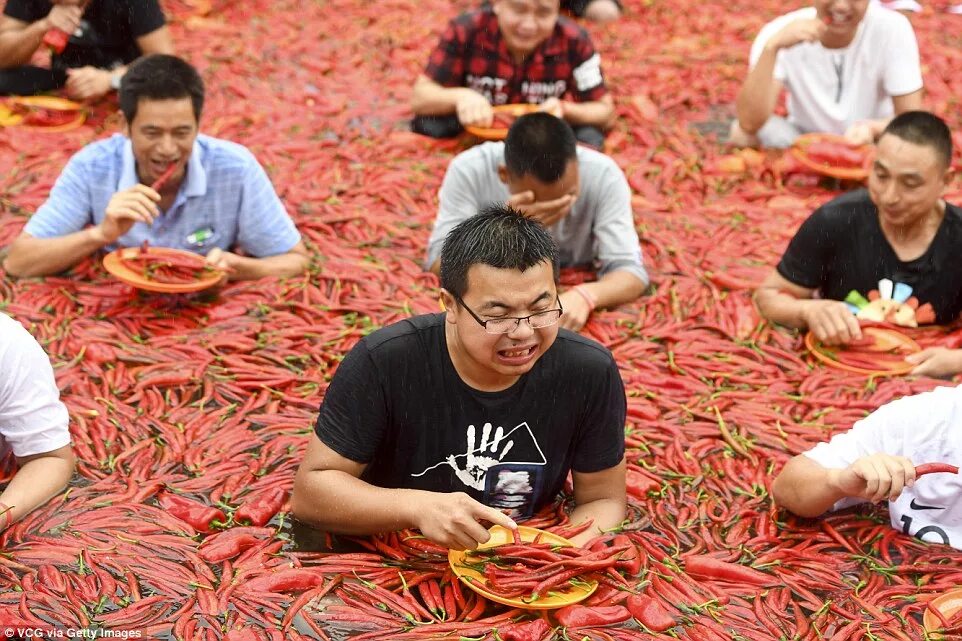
{"x": 454, "y": 519}
{"x": 63, "y": 17}
{"x": 797, "y": 32}
{"x": 874, "y": 478}
{"x": 135, "y": 205}
{"x": 474, "y": 109}
{"x": 832, "y": 322}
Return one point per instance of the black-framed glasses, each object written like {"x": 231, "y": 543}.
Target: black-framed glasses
{"x": 510, "y": 323}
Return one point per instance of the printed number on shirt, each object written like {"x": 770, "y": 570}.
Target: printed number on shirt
{"x": 933, "y": 530}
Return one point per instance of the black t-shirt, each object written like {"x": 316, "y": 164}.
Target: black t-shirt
{"x": 107, "y": 34}
{"x": 841, "y": 248}
{"x": 397, "y": 404}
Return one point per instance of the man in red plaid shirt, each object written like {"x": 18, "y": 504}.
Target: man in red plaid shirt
{"x": 515, "y": 51}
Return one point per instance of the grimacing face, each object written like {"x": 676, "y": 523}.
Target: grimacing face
{"x": 906, "y": 182}
{"x": 841, "y": 16}
{"x": 162, "y": 132}
{"x": 525, "y": 24}
{"x": 494, "y": 293}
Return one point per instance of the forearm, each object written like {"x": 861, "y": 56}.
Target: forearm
{"x": 756, "y": 100}
{"x": 782, "y": 308}
{"x": 604, "y": 514}
{"x": 431, "y": 99}
{"x": 337, "y": 502}
{"x": 597, "y": 113}
{"x": 17, "y": 47}
{"x": 282, "y": 265}
{"x": 35, "y": 483}
{"x": 615, "y": 288}
{"x": 806, "y": 488}
{"x": 31, "y": 256}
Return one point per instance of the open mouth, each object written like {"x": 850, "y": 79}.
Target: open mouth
{"x": 517, "y": 355}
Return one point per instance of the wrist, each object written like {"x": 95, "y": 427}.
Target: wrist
{"x": 588, "y": 297}
{"x": 96, "y": 235}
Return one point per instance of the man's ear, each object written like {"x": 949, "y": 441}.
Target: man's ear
{"x": 947, "y": 178}
{"x": 447, "y": 302}
{"x": 503, "y": 174}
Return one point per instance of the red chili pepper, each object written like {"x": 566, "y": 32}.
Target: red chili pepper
{"x": 230, "y": 543}
{"x": 579, "y": 616}
{"x": 293, "y": 580}
{"x": 935, "y": 468}
{"x": 712, "y": 568}
{"x": 202, "y": 518}
{"x": 262, "y": 507}
{"x": 834, "y": 154}
{"x": 529, "y": 631}
{"x": 649, "y": 613}
{"x": 162, "y": 179}
{"x": 56, "y": 40}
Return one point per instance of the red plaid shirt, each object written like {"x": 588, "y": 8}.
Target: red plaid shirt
{"x": 473, "y": 54}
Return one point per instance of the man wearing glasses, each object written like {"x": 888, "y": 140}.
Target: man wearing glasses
{"x": 451, "y": 422}
{"x": 847, "y": 66}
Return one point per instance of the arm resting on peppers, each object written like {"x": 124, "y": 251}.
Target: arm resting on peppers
{"x": 807, "y": 489}
{"x": 600, "y": 497}
{"x": 329, "y": 494}
{"x": 39, "y": 477}
{"x": 782, "y": 301}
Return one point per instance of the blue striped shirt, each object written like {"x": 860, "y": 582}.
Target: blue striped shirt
{"x": 226, "y": 200}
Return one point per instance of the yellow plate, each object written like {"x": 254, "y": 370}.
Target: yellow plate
{"x": 948, "y": 604}
{"x": 499, "y": 536}
{"x": 10, "y": 119}
{"x": 500, "y": 133}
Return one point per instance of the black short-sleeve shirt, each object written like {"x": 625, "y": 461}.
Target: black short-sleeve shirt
{"x": 841, "y": 247}
{"x": 108, "y": 32}
{"x": 397, "y": 404}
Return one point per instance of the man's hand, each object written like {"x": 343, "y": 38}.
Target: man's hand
{"x": 875, "y": 478}
{"x": 937, "y": 362}
{"x": 224, "y": 261}
{"x": 64, "y": 17}
{"x": 553, "y": 106}
{"x": 474, "y": 109}
{"x": 798, "y": 31}
{"x": 85, "y": 83}
{"x": 831, "y": 321}
{"x": 860, "y": 133}
{"x": 455, "y": 520}
{"x": 576, "y": 309}
{"x": 135, "y": 205}
{"x": 547, "y": 212}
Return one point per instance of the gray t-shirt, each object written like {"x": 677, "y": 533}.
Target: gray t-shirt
{"x": 598, "y": 232}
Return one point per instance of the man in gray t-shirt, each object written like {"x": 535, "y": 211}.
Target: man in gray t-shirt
{"x": 579, "y": 194}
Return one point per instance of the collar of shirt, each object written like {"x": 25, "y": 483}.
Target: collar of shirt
{"x": 493, "y": 41}
{"x": 194, "y": 185}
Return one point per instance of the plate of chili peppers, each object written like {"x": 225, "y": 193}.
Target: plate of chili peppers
{"x": 504, "y": 117}
{"x": 531, "y": 569}
{"x": 942, "y": 617}
{"x": 880, "y": 352}
{"x": 832, "y": 155}
{"x": 162, "y": 269}
{"x": 42, "y": 113}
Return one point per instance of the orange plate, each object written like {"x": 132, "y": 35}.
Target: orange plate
{"x": 948, "y": 604}
{"x": 842, "y": 173}
{"x": 499, "y": 536}
{"x": 49, "y": 102}
{"x": 500, "y": 133}
{"x": 115, "y": 266}
{"x": 886, "y": 339}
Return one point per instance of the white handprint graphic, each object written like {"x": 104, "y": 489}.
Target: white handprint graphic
{"x": 477, "y": 461}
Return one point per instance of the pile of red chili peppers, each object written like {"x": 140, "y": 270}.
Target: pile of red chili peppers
{"x": 189, "y": 414}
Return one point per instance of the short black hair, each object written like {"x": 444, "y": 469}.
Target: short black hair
{"x": 498, "y": 236}
{"x": 541, "y": 145}
{"x": 160, "y": 77}
{"x": 923, "y": 128}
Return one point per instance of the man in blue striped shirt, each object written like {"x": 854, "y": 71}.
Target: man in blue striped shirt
{"x": 218, "y": 202}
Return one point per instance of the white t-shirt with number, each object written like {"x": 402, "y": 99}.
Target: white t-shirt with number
{"x": 32, "y": 418}
{"x": 926, "y": 428}
{"x": 830, "y": 89}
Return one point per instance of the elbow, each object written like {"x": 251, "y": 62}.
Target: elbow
{"x": 16, "y": 265}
